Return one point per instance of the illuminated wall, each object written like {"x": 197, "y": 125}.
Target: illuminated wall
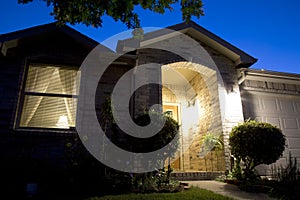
{"x": 196, "y": 120}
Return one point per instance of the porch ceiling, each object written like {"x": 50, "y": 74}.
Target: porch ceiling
{"x": 170, "y": 78}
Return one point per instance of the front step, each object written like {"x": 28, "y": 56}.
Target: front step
{"x": 188, "y": 176}
{"x": 185, "y": 185}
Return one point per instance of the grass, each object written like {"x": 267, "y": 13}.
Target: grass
{"x": 190, "y": 194}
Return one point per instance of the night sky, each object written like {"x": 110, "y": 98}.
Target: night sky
{"x": 268, "y": 30}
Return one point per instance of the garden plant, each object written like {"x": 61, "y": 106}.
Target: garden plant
{"x": 256, "y": 143}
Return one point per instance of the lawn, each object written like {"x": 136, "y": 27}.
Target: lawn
{"x": 190, "y": 194}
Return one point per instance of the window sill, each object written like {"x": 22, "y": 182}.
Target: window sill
{"x": 46, "y": 131}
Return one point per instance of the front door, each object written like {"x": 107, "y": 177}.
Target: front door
{"x": 173, "y": 111}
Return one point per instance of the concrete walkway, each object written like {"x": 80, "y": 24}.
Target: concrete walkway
{"x": 228, "y": 190}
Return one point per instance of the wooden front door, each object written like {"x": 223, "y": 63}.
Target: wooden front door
{"x": 173, "y": 111}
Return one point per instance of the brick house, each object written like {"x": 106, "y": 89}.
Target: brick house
{"x": 38, "y": 105}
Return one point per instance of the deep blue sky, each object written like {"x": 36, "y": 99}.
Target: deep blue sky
{"x": 266, "y": 29}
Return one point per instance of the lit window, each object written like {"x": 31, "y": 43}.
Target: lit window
{"x": 50, "y": 97}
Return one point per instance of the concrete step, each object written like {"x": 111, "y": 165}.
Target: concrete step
{"x": 186, "y": 176}
{"x": 185, "y": 185}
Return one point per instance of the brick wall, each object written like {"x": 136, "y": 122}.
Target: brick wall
{"x": 31, "y": 155}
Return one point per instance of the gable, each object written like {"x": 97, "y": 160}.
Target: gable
{"x": 200, "y": 34}
{"x": 43, "y": 34}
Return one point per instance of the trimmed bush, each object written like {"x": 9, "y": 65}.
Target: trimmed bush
{"x": 256, "y": 143}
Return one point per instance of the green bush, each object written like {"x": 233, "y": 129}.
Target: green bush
{"x": 155, "y": 181}
{"x": 162, "y": 138}
{"x": 212, "y": 142}
{"x": 256, "y": 143}
{"x": 130, "y": 143}
{"x": 288, "y": 173}
{"x": 287, "y": 182}
{"x": 160, "y": 179}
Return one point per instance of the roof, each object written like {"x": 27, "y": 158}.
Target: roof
{"x": 240, "y": 58}
{"x": 37, "y": 30}
{"x": 267, "y": 75}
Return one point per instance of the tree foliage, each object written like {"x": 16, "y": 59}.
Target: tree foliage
{"x": 91, "y": 12}
{"x": 163, "y": 137}
{"x": 212, "y": 142}
{"x": 256, "y": 143}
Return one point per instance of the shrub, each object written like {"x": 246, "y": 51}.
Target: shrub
{"x": 287, "y": 183}
{"x": 160, "y": 179}
{"x": 156, "y": 181}
{"x": 145, "y": 182}
{"x": 212, "y": 142}
{"x": 130, "y": 143}
{"x": 288, "y": 173}
{"x": 256, "y": 143}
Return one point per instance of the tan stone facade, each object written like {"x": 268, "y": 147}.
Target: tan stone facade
{"x": 218, "y": 78}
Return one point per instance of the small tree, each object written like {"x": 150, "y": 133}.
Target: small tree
{"x": 256, "y": 143}
{"x": 211, "y": 142}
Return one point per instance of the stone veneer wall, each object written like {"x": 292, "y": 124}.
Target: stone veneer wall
{"x": 234, "y": 114}
{"x": 207, "y": 124}
{"x": 191, "y": 140}
{"x": 224, "y": 118}
{"x": 151, "y": 94}
{"x": 205, "y": 119}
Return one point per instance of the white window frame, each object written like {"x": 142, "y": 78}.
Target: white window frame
{"x": 24, "y": 93}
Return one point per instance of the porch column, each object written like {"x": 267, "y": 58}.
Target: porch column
{"x": 232, "y": 114}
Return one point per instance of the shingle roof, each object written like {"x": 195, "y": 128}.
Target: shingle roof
{"x": 37, "y": 30}
{"x": 245, "y": 60}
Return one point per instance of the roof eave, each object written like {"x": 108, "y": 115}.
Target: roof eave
{"x": 238, "y": 56}
{"x": 267, "y": 75}
{"x": 244, "y": 59}
{"x": 41, "y": 29}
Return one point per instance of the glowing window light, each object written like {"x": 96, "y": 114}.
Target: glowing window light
{"x": 62, "y": 122}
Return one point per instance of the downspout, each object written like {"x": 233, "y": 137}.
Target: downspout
{"x": 242, "y": 78}
{"x": 133, "y": 86}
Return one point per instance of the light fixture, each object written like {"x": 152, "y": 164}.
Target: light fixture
{"x": 62, "y": 122}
